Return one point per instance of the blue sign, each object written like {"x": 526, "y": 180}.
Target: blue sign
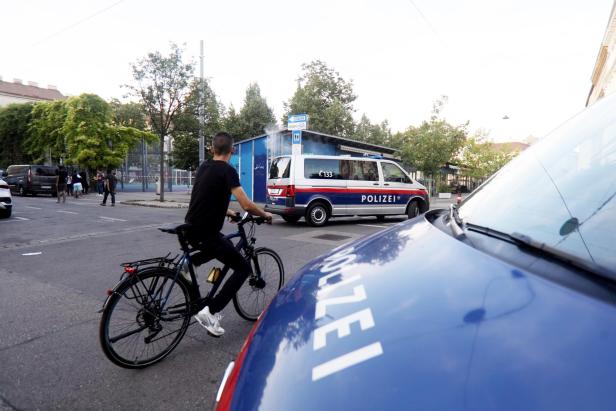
{"x": 297, "y": 136}
{"x": 298, "y": 122}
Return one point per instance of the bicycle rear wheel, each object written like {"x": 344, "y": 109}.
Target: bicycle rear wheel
{"x": 139, "y": 327}
{"x": 261, "y": 287}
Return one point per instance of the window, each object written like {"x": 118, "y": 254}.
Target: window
{"x": 324, "y": 169}
{"x": 394, "y": 174}
{"x": 360, "y": 170}
{"x": 280, "y": 168}
{"x": 46, "y": 171}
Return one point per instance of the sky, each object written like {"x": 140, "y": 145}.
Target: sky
{"x": 529, "y": 60}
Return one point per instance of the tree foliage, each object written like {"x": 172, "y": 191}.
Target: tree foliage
{"x": 128, "y": 114}
{"x": 14, "y": 129}
{"x": 482, "y": 158}
{"x": 255, "y": 115}
{"x": 326, "y": 97}
{"x": 162, "y": 83}
{"x": 379, "y": 134}
{"x": 46, "y": 136}
{"x": 432, "y": 144}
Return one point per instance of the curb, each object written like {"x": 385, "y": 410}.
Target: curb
{"x": 153, "y": 203}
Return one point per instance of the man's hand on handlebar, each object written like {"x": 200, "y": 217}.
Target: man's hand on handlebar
{"x": 268, "y": 217}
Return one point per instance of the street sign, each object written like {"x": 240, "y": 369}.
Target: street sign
{"x": 298, "y": 122}
{"x": 296, "y": 136}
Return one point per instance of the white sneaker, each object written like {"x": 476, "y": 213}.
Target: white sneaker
{"x": 210, "y": 321}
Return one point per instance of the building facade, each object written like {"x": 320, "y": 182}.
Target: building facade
{"x": 253, "y": 156}
{"x": 18, "y": 92}
{"x": 604, "y": 73}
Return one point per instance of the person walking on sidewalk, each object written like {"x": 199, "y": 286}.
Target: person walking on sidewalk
{"x": 77, "y": 184}
{"x": 61, "y": 184}
{"x": 100, "y": 183}
{"x": 110, "y": 187}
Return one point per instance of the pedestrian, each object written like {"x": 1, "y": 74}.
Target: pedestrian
{"x": 61, "y": 184}
{"x": 100, "y": 183}
{"x": 110, "y": 187}
{"x": 84, "y": 182}
{"x": 77, "y": 184}
{"x": 69, "y": 184}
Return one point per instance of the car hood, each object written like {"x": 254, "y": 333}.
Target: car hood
{"x": 431, "y": 323}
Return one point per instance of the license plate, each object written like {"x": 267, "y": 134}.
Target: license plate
{"x": 45, "y": 186}
{"x": 274, "y": 191}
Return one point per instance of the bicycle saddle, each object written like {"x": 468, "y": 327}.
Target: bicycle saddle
{"x": 175, "y": 228}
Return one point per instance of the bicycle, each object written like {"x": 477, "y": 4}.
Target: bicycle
{"x": 147, "y": 313}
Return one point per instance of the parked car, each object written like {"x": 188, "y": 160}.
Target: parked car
{"x": 505, "y": 303}
{"x": 32, "y": 179}
{"x": 6, "y": 202}
{"x": 319, "y": 187}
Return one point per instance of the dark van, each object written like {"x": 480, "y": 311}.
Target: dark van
{"x": 32, "y": 179}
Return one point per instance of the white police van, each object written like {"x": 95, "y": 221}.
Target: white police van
{"x": 318, "y": 187}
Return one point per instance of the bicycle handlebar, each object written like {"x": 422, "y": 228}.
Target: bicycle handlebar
{"x": 247, "y": 218}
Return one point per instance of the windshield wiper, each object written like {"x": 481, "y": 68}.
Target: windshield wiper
{"x": 546, "y": 250}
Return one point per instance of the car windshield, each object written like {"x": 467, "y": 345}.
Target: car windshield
{"x": 560, "y": 191}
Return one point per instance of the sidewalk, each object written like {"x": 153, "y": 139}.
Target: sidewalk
{"x": 180, "y": 199}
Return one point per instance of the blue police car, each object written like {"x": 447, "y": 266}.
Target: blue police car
{"x": 506, "y": 303}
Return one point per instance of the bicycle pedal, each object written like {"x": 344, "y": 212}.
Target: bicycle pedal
{"x": 213, "y": 335}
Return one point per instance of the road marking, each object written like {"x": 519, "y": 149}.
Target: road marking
{"x": 111, "y": 218}
{"x": 34, "y": 208}
{"x": 67, "y": 212}
{"x": 36, "y": 253}
{"x": 372, "y": 225}
{"x": 22, "y": 218}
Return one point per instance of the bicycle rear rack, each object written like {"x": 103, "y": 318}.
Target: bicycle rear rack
{"x": 159, "y": 261}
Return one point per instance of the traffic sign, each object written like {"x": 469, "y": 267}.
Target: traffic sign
{"x": 298, "y": 122}
{"x": 297, "y": 136}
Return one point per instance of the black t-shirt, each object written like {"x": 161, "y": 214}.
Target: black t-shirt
{"x": 211, "y": 195}
{"x": 62, "y": 175}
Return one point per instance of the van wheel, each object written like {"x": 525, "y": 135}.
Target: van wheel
{"x": 317, "y": 215}
{"x": 380, "y": 218}
{"x": 413, "y": 210}
{"x": 21, "y": 191}
{"x": 5, "y": 213}
{"x": 291, "y": 218}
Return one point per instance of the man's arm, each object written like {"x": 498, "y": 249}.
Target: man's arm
{"x": 248, "y": 205}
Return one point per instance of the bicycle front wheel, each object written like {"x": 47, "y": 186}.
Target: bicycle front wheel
{"x": 262, "y": 286}
{"x": 145, "y": 318}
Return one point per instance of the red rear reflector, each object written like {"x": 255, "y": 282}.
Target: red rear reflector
{"x": 109, "y": 292}
{"x": 290, "y": 191}
{"x": 130, "y": 270}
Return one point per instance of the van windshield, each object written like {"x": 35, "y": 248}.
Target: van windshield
{"x": 280, "y": 168}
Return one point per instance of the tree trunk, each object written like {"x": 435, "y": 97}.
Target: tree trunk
{"x": 162, "y": 168}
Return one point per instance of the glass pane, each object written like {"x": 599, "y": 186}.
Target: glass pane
{"x": 361, "y": 170}
{"x": 280, "y": 168}
{"x": 394, "y": 174}
{"x": 328, "y": 169}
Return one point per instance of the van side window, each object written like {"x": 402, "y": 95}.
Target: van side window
{"x": 360, "y": 170}
{"x": 321, "y": 168}
{"x": 280, "y": 168}
{"x": 394, "y": 174}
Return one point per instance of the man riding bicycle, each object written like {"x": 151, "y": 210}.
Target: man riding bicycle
{"x": 215, "y": 181}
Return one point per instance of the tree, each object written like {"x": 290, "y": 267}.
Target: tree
{"x": 163, "y": 86}
{"x": 46, "y": 135}
{"x": 255, "y": 115}
{"x": 231, "y": 123}
{"x": 185, "y": 153}
{"x": 379, "y": 134}
{"x": 326, "y": 97}
{"x": 432, "y": 144}
{"x": 482, "y": 158}
{"x": 14, "y": 129}
{"x": 128, "y": 114}
{"x": 92, "y": 140}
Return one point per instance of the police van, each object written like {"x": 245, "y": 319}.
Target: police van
{"x": 319, "y": 187}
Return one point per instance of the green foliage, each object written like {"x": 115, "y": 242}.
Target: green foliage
{"x": 481, "y": 158}
{"x": 14, "y": 129}
{"x": 231, "y": 123}
{"x": 129, "y": 114}
{"x": 46, "y": 134}
{"x": 255, "y": 115}
{"x": 432, "y": 144}
{"x": 162, "y": 83}
{"x": 92, "y": 140}
{"x": 379, "y": 134}
{"x": 185, "y": 153}
{"x": 326, "y": 97}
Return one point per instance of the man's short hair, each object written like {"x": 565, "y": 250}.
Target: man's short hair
{"x": 222, "y": 143}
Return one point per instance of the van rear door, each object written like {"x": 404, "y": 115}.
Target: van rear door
{"x": 279, "y": 186}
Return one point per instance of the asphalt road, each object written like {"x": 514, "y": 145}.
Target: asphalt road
{"x": 56, "y": 263}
